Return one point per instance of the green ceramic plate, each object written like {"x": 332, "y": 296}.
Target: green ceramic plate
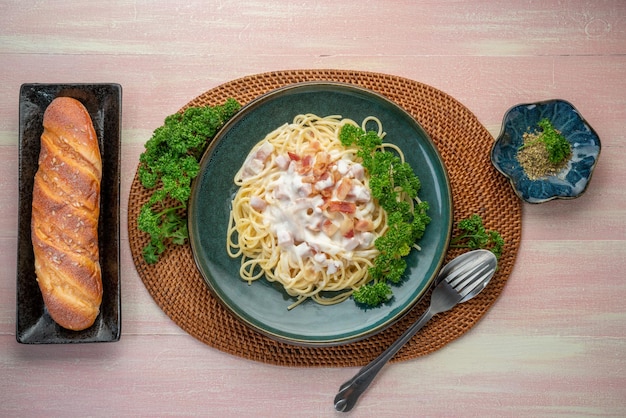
{"x": 263, "y": 305}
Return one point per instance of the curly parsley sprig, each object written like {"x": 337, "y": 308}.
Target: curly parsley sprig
{"x": 395, "y": 186}
{"x": 473, "y": 235}
{"x": 168, "y": 165}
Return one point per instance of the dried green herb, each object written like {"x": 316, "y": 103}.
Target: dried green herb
{"x": 544, "y": 152}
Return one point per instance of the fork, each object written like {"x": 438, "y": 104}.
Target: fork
{"x": 459, "y": 281}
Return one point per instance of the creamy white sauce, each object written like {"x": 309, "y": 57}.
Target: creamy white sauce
{"x": 295, "y": 208}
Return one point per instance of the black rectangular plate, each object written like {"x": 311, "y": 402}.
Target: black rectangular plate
{"x": 104, "y": 104}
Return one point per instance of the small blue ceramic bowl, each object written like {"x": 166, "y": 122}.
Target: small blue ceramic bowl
{"x": 570, "y": 182}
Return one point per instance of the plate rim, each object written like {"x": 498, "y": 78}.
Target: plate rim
{"x": 310, "y": 342}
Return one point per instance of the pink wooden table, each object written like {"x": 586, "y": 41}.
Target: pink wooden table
{"x": 554, "y": 344}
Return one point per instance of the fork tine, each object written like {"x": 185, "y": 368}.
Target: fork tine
{"x": 473, "y": 285}
{"x": 467, "y": 278}
{"x": 466, "y": 267}
{"x": 463, "y": 273}
{"x": 455, "y": 279}
{"x": 460, "y": 274}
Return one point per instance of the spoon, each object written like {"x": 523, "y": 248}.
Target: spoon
{"x": 458, "y": 281}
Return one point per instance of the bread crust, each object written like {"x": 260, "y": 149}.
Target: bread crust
{"x": 65, "y": 212}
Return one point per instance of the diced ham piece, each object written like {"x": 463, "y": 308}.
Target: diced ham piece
{"x": 257, "y": 203}
{"x": 256, "y": 162}
{"x": 343, "y": 167}
{"x": 303, "y": 250}
{"x": 351, "y": 244}
{"x": 319, "y": 257}
{"x": 264, "y": 151}
{"x": 284, "y": 237}
{"x": 333, "y": 267}
{"x": 281, "y": 193}
{"x": 361, "y": 194}
{"x": 252, "y": 167}
{"x": 282, "y": 162}
{"x": 358, "y": 171}
{"x": 366, "y": 239}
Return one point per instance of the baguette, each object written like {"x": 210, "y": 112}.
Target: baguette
{"x": 65, "y": 211}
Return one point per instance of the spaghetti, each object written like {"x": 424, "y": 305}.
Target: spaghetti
{"x": 303, "y": 215}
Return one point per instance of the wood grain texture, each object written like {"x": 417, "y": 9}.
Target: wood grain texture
{"x": 554, "y": 344}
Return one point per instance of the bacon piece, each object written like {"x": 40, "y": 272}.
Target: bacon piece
{"x": 305, "y": 164}
{"x": 340, "y": 206}
{"x": 344, "y": 188}
{"x": 329, "y": 227}
{"x": 322, "y": 161}
{"x": 293, "y": 156}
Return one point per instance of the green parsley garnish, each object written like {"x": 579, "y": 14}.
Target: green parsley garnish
{"x": 473, "y": 235}
{"x": 395, "y": 186}
{"x": 556, "y": 144}
{"x": 168, "y": 165}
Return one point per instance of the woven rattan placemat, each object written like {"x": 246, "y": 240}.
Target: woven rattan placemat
{"x": 464, "y": 144}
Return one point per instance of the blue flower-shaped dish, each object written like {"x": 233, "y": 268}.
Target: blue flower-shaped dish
{"x": 570, "y": 182}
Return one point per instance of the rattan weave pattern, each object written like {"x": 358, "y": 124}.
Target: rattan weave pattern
{"x": 464, "y": 144}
